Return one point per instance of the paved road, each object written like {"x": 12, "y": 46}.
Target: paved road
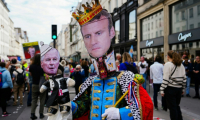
{"x": 190, "y": 108}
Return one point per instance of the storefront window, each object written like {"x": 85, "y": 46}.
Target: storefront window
{"x": 185, "y": 18}
{"x": 151, "y": 53}
{"x": 152, "y": 26}
{"x": 117, "y": 31}
{"x": 132, "y": 26}
{"x": 192, "y": 48}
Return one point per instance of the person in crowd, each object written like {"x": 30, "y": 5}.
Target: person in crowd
{"x": 66, "y": 72}
{"x": 119, "y": 57}
{"x": 18, "y": 87}
{"x": 126, "y": 59}
{"x": 11, "y": 68}
{"x": 188, "y": 71}
{"x": 156, "y": 75}
{"x": 92, "y": 69}
{"x": 196, "y": 71}
{"x": 174, "y": 81}
{"x": 84, "y": 66}
{"x": 36, "y": 72}
{"x": 80, "y": 61}
{"x": 72, "y": 63}
{"x": 79, "y": 76}
{"x": 192, "y": 59}
{"x": 143, "y": 70}
{"x": 7, "y": 64}
{"x": 30, "y": 79}
{"x": 117, "y": 65}
{"x": 6, "y": 88}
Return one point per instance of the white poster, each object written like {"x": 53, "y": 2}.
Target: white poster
{"x": 110, "y": 61}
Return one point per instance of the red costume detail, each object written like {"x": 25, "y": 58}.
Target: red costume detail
{"x": 147, "y": 104}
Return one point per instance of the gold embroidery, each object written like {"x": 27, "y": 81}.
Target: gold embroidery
{"x": 130, "y": 115}
{"x": 109, "y": 98}
{"x": 107, "y": 106}
{"x": 119, "y": 76}
{"x": 138, "y": 96}
{"x": 94, "y": 115}
{"x": 97, "y": 84}
{"x": 95, "y": 107}
{"x": 111, "y": 83}
{"x": 74, "y": 109}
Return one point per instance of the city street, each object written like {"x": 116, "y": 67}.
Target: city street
{"x": 190, "y": 109}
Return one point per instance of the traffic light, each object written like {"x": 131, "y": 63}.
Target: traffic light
{"x": 54, "y": 32}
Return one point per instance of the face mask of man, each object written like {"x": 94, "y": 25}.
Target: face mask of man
{"x": 50, "y": 62}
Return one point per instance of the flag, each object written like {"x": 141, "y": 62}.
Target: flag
{"x": 131, "y": 96}
{"x": 131, "y": 51}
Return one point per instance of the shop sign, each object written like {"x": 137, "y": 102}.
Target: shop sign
{"x": 184, "y": 37}
{"x": 149, "y": 43}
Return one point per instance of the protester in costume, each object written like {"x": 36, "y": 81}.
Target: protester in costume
{"x": 104, "y": 96}
{"x": 57, "y": 85}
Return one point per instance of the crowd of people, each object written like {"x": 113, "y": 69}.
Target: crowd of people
{"x": 170, "y": 79}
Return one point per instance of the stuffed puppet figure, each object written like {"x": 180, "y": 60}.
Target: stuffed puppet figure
{"x": 57, "y": 84}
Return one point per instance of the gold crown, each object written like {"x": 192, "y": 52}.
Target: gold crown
{"x": 89, "y": 12}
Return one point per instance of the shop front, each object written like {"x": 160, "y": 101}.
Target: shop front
{"x": 185, "y": 28}
{"x": 151, "y": 48}
{"x": 151, "y": 37}
{"x": 124, "y": 22}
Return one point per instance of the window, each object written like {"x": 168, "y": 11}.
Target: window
{"x": 160, "y": 32}
{"x": 109, "y": 5}
{"x": 186, "y": 13}
{"x": 183, "y": 15}
{"x": 191, "y": 26}
{"x": 191, "y": 12}
{"x": 152, "y": 26}
{"x": 177, "y": 17}
{"x": 117, "y": 31}
{"x": 177, "y": 29}
{"x": 183, "y": 28}
{"x": 198, "y": 9}
{"x": 116, "y": 2}
{"x": 132, "y": 25}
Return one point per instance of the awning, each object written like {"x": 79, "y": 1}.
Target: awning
{"x": 74, "y": 54}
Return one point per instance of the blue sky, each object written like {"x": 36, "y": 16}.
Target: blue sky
{"x": 37, "y": 16}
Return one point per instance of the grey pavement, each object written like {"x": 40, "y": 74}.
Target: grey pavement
{"x": 190, "y": 107}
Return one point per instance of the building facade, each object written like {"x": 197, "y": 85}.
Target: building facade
{"x": 77, "y": 46}
{"x": 61, "y": 41}
{"x": 124, "y": 21}
{"x": 4, "y": 30}
{"x": 165, "y": 25}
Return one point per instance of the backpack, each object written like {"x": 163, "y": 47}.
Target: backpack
{"x": 131, "y": 68}
{"x": 20, "y": 78}
{"x": 12, "y": 69}
{"x": 1, "y": 80}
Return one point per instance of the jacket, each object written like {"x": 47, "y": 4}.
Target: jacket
{"x": 6, "y": 78}
{"x": 188, "y": 67}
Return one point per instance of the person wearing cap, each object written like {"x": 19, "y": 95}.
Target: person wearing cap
{"x": 17, "y": 88}
{"x": 99, "y": 94}
{"x": 58, "y": 94}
